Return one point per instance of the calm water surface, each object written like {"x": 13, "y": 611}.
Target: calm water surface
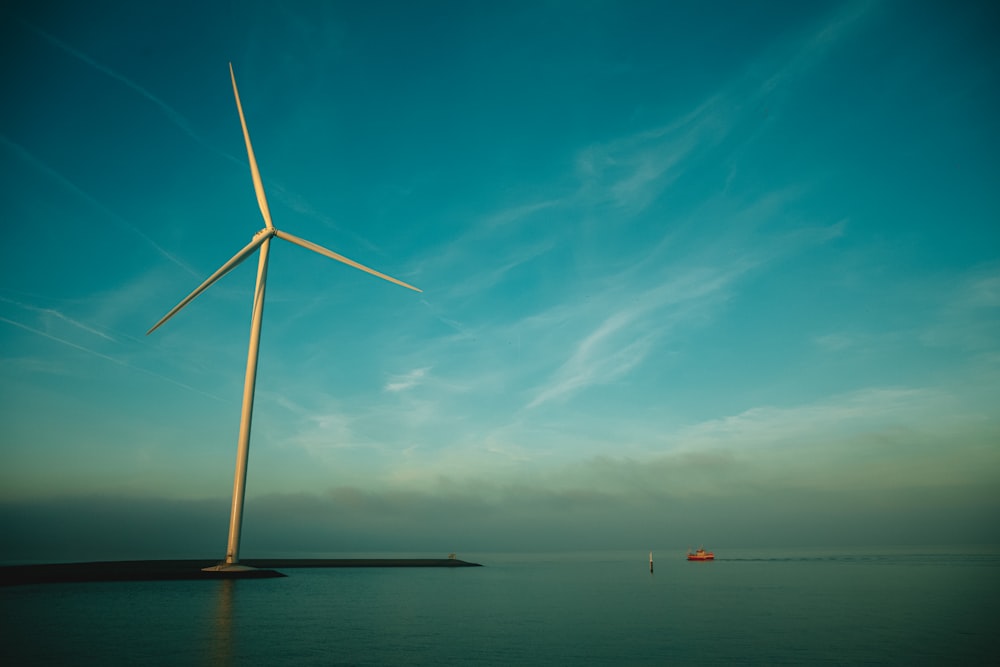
{"x": 899, "y": 607}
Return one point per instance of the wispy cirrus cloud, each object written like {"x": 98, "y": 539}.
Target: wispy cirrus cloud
{"x": 632, "y": 171}
{"x": 492, "y": 233}
{"x": 957, "y": 310}
{"x": 855, "y": 439}
{"x": 873, "y": 439}
{"x": 489, "y": 277}
{"x": 968, "y": 312}
{"x": 634, "y": 319}
{"x": 398, "y": 383}
{"x": 791, "y": 426}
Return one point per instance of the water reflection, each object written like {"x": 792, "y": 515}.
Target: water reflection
{"x": 220, "y": 650}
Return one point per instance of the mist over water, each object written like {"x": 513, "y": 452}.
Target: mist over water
{"x": 109, "y": 527}
{"x": 887, "y": 606}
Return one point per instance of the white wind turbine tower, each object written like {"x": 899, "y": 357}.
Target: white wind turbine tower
{"x": 261, "y": 240}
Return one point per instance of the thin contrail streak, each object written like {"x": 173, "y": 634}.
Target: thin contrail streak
{"x": 27, "y": 156}
{"x": 55, "y": 313}
{"x": 119, "y": 362}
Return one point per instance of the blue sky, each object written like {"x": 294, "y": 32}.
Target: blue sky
{"x": 692, "y": 272}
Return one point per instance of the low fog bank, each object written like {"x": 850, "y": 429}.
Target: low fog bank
{"x": 348, "y": 520}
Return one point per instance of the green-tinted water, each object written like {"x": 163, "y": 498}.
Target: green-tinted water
{"x": 889, "y": 607}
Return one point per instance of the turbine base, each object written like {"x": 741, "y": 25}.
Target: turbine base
{"x": 237, "y": 571}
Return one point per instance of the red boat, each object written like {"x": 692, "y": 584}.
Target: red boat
{"x": 701, "y": 554}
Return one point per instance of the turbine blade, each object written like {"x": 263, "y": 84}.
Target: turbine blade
{"x": 258, "y": 185}
{"x": 340, "y": 258}
{"x": 223, "y": 270}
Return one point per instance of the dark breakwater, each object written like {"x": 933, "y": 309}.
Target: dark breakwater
{"x": 179, "y": 570}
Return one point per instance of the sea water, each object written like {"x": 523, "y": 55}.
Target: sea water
{"x": 894, "y": 607}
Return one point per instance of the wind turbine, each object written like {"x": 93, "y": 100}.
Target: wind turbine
{"x": 262, "y": 241}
